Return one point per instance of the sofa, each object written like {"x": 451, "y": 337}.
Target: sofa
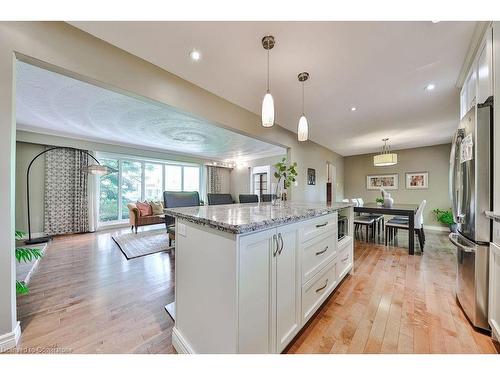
{"x": 139, "y": 218}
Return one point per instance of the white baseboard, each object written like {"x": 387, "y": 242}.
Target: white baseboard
{"x": 180, "y": 344}
{"x": 436, "y": 228}
{"x": 10, "y": 340}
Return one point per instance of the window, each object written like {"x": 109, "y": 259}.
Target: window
{"x": 138, "y": 180}
{"x": 191, "y": 179}
{"x": 153, "y": 185}
{"x": 131, "y": 172}
{"x": 108, "y": 197}
{"x": 173, "y": 178}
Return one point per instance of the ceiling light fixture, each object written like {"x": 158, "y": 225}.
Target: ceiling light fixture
{"x": 303, "y": 129}
{"x": 430, "y": 87}
{"x": 268, "y": 102}
{"x": 386, "y": 157}
{"x": 195, "y": 55}
{"x": 353, "y": 109}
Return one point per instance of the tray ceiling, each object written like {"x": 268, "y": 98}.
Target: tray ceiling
{"x": 51, "y": 103}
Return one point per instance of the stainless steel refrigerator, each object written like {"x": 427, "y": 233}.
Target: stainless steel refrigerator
{"x": 471, "y": 195}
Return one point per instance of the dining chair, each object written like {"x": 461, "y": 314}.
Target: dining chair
{"x": 363, "y": 221}
{"x": 217, "y": 199}
{"x": 379, "y": 219}
{"x": 393, "y": 225}
{"x": 248, "y": 198}
{"x": 173, "y": 199}
{"x": 267, "y": 197}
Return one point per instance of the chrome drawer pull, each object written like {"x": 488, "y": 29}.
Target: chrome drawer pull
{"x": 347, "y": 257}
{"x": 322, "y": 251}
{"x": 321, "y": 225}
{"x": 323, "y": 287}
{"x": 281, "y": 246}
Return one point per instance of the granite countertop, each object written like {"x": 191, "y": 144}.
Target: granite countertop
{"x": 249, "y": 217}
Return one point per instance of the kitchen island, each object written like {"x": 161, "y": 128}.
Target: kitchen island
{"x": 249, "y": 276}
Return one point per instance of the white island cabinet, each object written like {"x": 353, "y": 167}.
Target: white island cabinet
{"x": 249, "y": 276}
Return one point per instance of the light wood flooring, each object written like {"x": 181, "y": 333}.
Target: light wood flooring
{"x": 87, "y": 298}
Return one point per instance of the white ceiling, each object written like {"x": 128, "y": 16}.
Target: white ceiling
{"x": 381, "y": 68}
{"x": 51, "y": 103}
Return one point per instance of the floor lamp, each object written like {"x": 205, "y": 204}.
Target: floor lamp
{"x": 93, "y": 169}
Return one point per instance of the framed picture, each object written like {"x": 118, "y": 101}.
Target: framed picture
{"x": 417, "y": 180}
{"x": 386, "y": 181}
{"x": 311, "y": 176}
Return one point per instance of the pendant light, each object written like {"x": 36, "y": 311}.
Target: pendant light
{"x": 303, "y": 129}
{"x": 386, "y": 157}
{"x": 268, "y": 102}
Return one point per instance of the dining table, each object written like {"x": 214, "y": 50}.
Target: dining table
{"x": 397, "y": 209}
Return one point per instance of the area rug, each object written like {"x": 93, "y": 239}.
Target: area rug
{"x": 143, "y": 243}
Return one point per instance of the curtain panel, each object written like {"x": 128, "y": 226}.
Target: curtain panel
{"x": 218, "y": 180}
{"x": 66, "y": 192}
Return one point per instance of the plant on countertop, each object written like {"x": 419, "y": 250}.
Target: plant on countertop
{"x": 445, "y": 217}
{"x": 285, "y": 172}
{"x": 25, "y": 254}
{"x": 379, "y": 200}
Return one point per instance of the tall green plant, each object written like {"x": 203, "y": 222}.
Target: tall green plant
{"x": 25, "y": 254}
{"x": 285, "y": 172}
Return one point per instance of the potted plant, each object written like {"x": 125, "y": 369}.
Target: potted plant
{"x": 445, "y": 217}
{"x": 25, "y": 254}
{"x": 284, "y": 172}
{"x": 379, "y": 201}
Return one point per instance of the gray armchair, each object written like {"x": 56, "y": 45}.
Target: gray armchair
{"x": 172, "y": 199}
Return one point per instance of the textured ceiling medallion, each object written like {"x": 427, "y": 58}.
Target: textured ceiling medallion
{"x": 303, "y": 129}
{"x": 386, "y": 157}
{"x": 268, "y": 102}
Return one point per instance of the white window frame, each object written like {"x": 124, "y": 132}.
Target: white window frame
{"x": 121, "y": 158}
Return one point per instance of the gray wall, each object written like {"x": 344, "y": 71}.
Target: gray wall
{"x": 240, "y": 176}
{"x": 63, "y": 48}
{"x": 433, "y": 159}
{"x": 25, "y": 152}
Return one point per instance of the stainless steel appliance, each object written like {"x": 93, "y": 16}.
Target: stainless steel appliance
{"x": 342, "y": 227}
{"x": 471, "y": 195}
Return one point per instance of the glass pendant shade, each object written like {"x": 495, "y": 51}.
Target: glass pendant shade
{"x": 268, "y": 111}
{"x": 303, "y": 131}
{"x": 384, "y": 160}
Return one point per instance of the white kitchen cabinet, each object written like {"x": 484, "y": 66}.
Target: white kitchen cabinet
{"x": 286, "y": 282}
{"x": 269, "y": 306}
{"x": 485, "y": 68}
{"x": 253, "y": 292}
{"x": 494, "y": 292}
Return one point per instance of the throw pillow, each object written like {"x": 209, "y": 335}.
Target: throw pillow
{"x": 144, "y": 208}
{"x": 157, "y": 207}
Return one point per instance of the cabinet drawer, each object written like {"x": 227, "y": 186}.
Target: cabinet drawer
{"x": 344, "y": 259}
{"x": 316, "y": 254}
{"x": 317, "y": 290}
{"x": 319, "y": 226}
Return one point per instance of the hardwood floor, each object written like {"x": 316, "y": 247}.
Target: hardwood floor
{"x": 87, "y": 298}
{"x": 395, "y": 303}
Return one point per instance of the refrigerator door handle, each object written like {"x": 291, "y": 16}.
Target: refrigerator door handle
{"x": 454, "y": 240}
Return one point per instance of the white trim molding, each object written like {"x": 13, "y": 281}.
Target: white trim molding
{"x": 10, "y": 340}
{"x": 180, "y": 344}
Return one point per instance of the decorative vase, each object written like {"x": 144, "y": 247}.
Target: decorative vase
{"x": 388, "y": 202}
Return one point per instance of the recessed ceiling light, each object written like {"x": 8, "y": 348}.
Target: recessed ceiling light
{"x": 430, "y": 87}
{"x": 195, "y": 55}
{"x": 353, "y": 109}
{"x": 435, "y": 21}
